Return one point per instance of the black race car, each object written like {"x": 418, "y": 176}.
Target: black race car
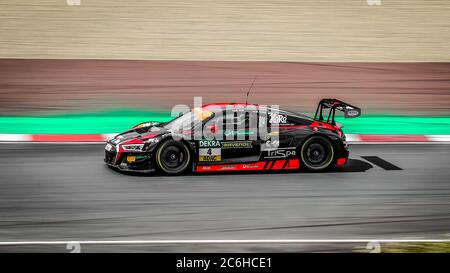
{"x": 234, "y": 137}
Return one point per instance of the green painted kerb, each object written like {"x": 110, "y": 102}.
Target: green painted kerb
{"x": 118, "y": 121}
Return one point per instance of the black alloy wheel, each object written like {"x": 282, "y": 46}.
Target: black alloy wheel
{"x": 317, "y": 153}
{"x": 173, "y": 157}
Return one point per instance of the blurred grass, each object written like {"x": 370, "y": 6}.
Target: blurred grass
{"x": 441, "y": 247}
{"x": 121, "y": 120}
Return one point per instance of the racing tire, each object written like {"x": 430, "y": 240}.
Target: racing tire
{"x": 173, "y": 157}
{"x": 317, "y": 153}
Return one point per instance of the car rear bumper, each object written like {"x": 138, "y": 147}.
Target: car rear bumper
{"x": 342, "y": 153}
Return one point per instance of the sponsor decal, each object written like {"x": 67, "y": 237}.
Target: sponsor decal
{"x": 270, "y": 145}
{"x": 351, "y": 113}
{"x": 209, "y": 144}
{"x": 237, "y": 145}
{"x": 280, "y": 153}
{"x": 210, "y": 154}
{"x": 230, "y": 167}
{"x": 277, "y": 118}
{"x": 233, "y": 133}
{"x": 131, "y": 159}
{"x": 209, "y": 158}
{"x": 245, "y": 166}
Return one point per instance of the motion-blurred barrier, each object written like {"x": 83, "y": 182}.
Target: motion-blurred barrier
{"x": 40, "y": 87}
{"x": 95, "y": 138}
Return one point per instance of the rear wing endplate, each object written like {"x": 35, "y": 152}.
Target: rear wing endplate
{"x": 332, "y": 105}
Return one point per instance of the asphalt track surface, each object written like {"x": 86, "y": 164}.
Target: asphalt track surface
{"x": 64, "y": 192}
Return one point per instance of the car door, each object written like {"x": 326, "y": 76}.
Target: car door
{"x": 236, "y": 142}
{"x": 240, "y": 140}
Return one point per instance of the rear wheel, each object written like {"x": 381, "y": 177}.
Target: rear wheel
{"x": 173, "y": 157}
{"x": 317, "y": 153}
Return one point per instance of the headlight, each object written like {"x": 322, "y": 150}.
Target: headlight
{"x": 133, "y": 147}
{"x": 140, "y": 147}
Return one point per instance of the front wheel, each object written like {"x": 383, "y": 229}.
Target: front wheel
{"x": 317, "y": 153}
{"x": 173, "y": 157}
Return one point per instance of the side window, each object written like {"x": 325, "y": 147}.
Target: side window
{"x": 240, "y": 124}
{"x": 236, "y": 119}
{"x": 230, "y": 120}
{"x": 226, "y": 124}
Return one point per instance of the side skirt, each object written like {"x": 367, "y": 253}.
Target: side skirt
{"x": 286, "y": 164}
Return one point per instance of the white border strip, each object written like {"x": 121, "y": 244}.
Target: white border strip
{"x": 275, "y": 241}
{"x": 439, "y": 138}
{"x": 352, "y": 138}
{"x": 15, "y": 137}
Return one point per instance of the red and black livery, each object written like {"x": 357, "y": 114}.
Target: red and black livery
{"x": 252, "y": 138}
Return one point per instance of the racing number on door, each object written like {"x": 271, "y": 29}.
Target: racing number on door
{"x": 210, "y": 150}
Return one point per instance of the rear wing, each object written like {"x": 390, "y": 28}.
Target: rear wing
{"x": 332, "y": 105}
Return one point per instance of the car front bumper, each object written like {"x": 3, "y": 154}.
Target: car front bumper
{"x": 130, "y": 162}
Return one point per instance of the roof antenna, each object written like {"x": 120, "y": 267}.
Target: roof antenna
{"x": 250, "y": 89}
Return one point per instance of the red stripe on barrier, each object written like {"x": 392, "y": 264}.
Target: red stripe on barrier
{"x": 393, "y": 138}
{"x": 67, "y": 138}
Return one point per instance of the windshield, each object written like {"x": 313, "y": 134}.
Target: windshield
{"x": 189, "y": 119}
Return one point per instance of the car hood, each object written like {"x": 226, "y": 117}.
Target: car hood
{"x": 140, "y": 133}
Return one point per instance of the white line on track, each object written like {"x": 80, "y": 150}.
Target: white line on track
{"x": 286, "y": 241}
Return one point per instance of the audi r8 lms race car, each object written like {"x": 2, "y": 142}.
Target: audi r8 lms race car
{"x": 235, "y": 137}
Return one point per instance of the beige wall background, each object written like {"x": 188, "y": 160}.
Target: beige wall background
{"x": 284, "y": 30}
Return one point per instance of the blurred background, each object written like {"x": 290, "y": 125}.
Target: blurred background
{"x": 89, "y": 67}
{"x": 98, "y": 66}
